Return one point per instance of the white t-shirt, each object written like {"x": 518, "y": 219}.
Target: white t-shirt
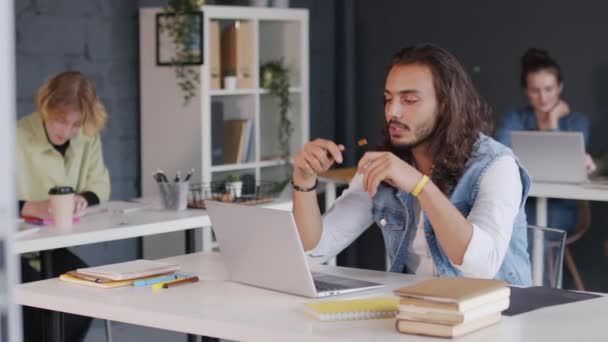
{"x": 492, "y": 217}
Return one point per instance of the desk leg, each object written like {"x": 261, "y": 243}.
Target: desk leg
{"x": 190, "y": 241}
{"x": 538, "y": 257}
{"x": 191, "y": 248}
{"x": 53, "y": 327}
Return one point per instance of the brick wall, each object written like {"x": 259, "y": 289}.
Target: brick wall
{"x": 100, "y": 39}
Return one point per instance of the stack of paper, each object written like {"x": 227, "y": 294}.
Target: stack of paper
{"x": 451, "y": 307}
{"x": 121, "y": 274}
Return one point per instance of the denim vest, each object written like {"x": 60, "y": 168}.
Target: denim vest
{"x": 392, "y": 211}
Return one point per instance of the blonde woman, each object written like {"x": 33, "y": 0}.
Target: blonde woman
{"x": 59, "y": 145}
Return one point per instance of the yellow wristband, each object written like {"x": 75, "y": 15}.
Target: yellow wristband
{"x": 419, "y": 186}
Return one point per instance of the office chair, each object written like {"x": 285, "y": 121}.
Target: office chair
{"x": 582, "y": 226}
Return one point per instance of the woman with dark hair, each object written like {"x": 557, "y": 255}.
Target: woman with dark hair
{"x": 447, "y": 198}
{"x": 542, "y": 82}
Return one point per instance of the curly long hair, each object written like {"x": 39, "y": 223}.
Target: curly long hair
{"x": 462, "y": 114}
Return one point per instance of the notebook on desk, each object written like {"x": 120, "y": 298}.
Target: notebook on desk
{"x": 130, "y": 270}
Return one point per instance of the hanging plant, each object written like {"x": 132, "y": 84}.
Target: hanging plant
{"x": 184, "y": 30}
{"x": 274, "y": 77}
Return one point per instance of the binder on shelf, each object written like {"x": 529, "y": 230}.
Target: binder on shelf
{"x": 237, "y": 52}
{"x": 248, "y": 136}
{"x": 215, "y": 62}
{"x": 234, "y": 132}
{"x": 217, "y": 133}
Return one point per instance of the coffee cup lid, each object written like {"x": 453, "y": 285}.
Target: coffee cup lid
{"x": 61, "y": 190}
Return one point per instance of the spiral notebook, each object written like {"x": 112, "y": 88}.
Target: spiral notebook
{"x": 346, "y": 310}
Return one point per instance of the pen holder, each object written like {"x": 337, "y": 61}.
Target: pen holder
{"x": 174, "y": 196}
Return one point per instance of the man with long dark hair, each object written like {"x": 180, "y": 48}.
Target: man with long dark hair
{"x": 448, "y": 199}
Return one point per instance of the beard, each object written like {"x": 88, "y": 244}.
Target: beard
{"x": 422, "y": 134}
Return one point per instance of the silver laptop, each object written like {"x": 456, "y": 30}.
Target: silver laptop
{"x": 261, "y": 247}
{"x": 551, "y": 156}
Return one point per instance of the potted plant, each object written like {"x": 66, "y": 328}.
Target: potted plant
{"x": 229, "y": 78}
{"x": 234, "y": 185}
{"x": 183, "y": 28}
{"x": 274, "y": 77}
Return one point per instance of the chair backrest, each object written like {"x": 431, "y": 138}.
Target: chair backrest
{"x": 583, "y": 222}
{"x": 548, "y": 245}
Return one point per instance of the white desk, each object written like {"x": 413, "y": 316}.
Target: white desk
{"x": 107, "y": 226}
{"x": 543, "y": 191}
{"x": 215, "y": 307}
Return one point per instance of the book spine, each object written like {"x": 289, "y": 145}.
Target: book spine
{"x": 349, "y": 316}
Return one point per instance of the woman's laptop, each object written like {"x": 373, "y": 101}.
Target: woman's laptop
{"x": 557, "y": 157}
{"x": 261, "y": 247}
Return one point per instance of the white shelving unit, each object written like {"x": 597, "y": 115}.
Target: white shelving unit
{"x": 174, "y": 137}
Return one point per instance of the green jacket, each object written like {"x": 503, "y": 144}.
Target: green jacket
{"x": 41, "y": 167}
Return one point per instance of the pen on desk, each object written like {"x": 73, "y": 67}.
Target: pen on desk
{"x": 180, "y": 282}
{"x": 162, "y": 284}
{"x": 146, "y": 282}
{"x": 189, "y": 175}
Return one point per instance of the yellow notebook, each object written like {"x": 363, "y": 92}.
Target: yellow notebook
{"x": 345, "y": 310}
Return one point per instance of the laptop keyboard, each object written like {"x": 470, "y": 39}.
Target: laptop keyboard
{"x": 323, "y": 286}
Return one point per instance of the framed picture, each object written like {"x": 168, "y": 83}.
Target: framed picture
{"x": 179, "y": 38}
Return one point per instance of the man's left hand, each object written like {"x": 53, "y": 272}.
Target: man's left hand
{"x": 386, "y": 167}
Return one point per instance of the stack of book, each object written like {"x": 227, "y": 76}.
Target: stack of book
{"x": 451, "y": 307}
{"x": 121, "y": 274}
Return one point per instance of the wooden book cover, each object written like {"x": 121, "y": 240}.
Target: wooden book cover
{"x": 215, "y": 69}
{"x": 440, "y": 330}
{"x": 450, "y": 317}
{"x": 244, "y": 55}
{"x": 237, "y": 52}
{"x": 454, "y": 289}
{"x": 233, "y": 140}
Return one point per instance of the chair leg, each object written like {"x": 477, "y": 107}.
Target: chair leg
{"x": 108, "y": 330}
{"x": 578, "y": 281}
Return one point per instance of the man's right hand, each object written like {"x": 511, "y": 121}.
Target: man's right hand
{"x": 40, "y": 209}
{"x": 313, "y": 159}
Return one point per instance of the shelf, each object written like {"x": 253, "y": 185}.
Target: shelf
{"x": 243, "y": 166}
{"x": 292, "y": 90}
{"x": 225, "y": 92}
{"x": 239, "y": 92}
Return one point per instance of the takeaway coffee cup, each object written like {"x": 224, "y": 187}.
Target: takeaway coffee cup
{"x": 61, "y": 200}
